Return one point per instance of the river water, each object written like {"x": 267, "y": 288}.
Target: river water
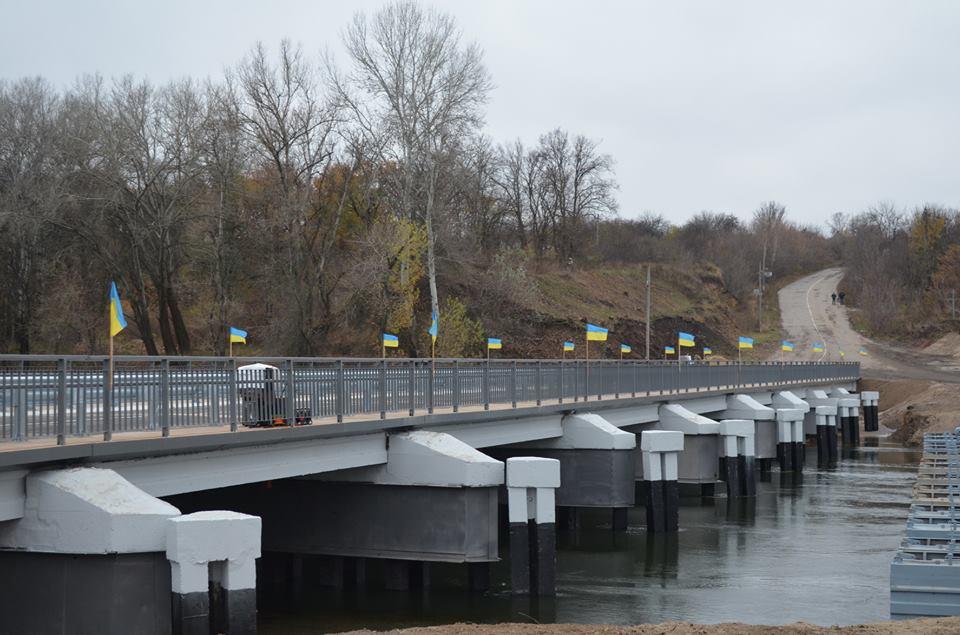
{"x": 816, "y": 550}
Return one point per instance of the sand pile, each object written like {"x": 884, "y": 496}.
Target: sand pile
{"x": 948, "y": 345}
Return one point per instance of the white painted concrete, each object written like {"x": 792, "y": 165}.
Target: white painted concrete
{"x": 432, "y": 459}
{"x": 13, "y": 493}
{"x": 195, "y": 540}
{"x": 746, "y": 407}
{"x": 180, "y": 473}
{"x": 587, "y": 431}
{"x": 678, "y": 418}
{"x": 505, "y": 432}
{"x": 790, "y": 425}
{"x": 636, "y": 415}
{"x": 533, "y": 471}
{"x": 87, "y": 510}
{"x": 661, "y": 441}
{"x": 786, "y": 399}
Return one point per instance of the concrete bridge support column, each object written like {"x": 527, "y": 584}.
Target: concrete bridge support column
{"x": 213, "y": 572}
{"x": 826, "y": 434}
{"x": 660, "y": 450}
{"x": 764, "y": 426}
{"x": 870, "y": 402}
{"x": 849, "y": 413}
{"x": 698, "y": 463}
{"x": 531, "y": 483}
{"x": 738, "y": 460}
{"x": 790, "y": 439}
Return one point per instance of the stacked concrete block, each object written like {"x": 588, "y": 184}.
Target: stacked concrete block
{"x": 925, "y": 572}
{"x": 661, "y": 490}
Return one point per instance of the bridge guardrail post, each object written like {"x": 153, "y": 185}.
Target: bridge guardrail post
{"x": 456, "y": 385}
{"x": 616, "y": 389}
{"x": 560, "y": 384}
{"x": 539, "y": 385}
{"x": 635, "y": 381}
{"x": 486, "y": 384}
{"x": 576, "y": 381}
{"x": 291, "y": 400}
{"x": 62, "y": 401}
{"x": 233, "y": 393}
{"x": 338, "y": 390}
{"x": 411, "y": 387}
{"x": 513, "y": 384}
{"x": 165, "y": 397}
{"x": 383, "y": 389}
{"x": 107, "y": 401}
{"x": 599, "y": 374}
{"x": 431, "y": 385}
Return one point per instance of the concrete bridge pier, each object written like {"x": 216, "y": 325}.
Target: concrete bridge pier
{"x": 826, "y": 417}
{"x": 596, "y": 465}
{"x": 815, "y": 398}
{"x": 660, "y": 450}
{"x": 849, "y": 413}
{"x": 531, "y": 483}
{"x": 738, "y": 461}
{"x": 698, "y": 464}
{"x": 870, "y": 403}
{"x": 790, "y": 439}
{"x": 764, "y": 426}
{"x": 111, "y": 558}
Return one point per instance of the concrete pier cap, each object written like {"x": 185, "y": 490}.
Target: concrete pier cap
{"x": 588, "y": 431}
{"x": 87, "y": 511}
{"x": 195, "y": 540}
{"x": 746, "y": 407}
{"x": 532, "y": 471}
{"x": 870, "y": 397}
{"x": 785, "y": 399}
{"x": 848, "y": 406}
{"x": 661, "y": 441}
{"x": 677, "y": 418}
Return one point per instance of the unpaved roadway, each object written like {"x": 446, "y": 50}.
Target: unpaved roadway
{"x": 809, "y": 316}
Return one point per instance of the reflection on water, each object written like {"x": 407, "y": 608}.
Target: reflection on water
{"x": 815, "y": 548}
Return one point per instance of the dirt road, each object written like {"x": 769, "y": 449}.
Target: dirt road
{"x": 809, "y": 316}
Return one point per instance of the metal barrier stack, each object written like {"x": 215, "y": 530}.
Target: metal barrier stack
{"x": 925, "y": 572}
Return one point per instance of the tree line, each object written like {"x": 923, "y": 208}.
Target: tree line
{"x": 314, "y": 201}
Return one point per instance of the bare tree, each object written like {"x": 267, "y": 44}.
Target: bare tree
{"x": 412, "y": 79}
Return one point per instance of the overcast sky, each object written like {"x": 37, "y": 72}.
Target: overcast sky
{"x": 823, "y": 106}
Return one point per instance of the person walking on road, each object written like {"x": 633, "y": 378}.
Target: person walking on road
{"x": 843, "y": 296}
{"x": 833, "y": 298}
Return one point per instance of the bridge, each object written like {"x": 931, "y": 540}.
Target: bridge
{"x": 160, "y": 485}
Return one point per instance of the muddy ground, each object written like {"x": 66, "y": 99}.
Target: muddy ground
{"x": 940, "y": 625}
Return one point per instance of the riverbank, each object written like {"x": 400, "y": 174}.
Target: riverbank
{"x": 934, "y": 626}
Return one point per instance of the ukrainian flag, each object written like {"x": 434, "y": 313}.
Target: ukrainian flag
{"x": 494, "y": 343}
{"x": 434, "y": 326}
{"x": 568, "y": 346}
{"x": 686, "y": 339}
{"x": 596, "y": 333}
{"x": 863, "y": 351}
{"x": 625, "y": 348}
{"x": 745, "y": 342}
{"x": 117, "y": 321}
{"x": 669, "y": 350}
{"x": 238, "y": 336}
{"x": 842, "y": 354}
{"x": 390, "y": 341}
{"x": 786, "y": 346}
{"x": 707, "y": 351}
{"x": 818, "y": 347}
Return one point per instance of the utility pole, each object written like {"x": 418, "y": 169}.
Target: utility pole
{"x": 762, "y": 275}
{"x": 648, "y": 313}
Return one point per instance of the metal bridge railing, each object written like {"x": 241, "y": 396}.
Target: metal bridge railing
{"x": 47, "y": 396}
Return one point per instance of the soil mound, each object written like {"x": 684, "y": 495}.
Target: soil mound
{"x": 949, "y": 344}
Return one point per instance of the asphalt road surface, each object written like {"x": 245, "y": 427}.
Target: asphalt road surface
{"x": 809, "y": 316}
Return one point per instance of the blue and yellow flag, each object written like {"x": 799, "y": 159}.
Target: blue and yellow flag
{"x": 434, "y": 326}
{"x": 390, "y": 340}
{"x": 842, "y": 354}
{"x": 686, "y": 339}
{"x": 707, "y": 351}
{"x": 494, "y": 343}
{"x": 786, "y": 346}
{"x": 745, "y": 342}
{"x": 818, "y": 347}
{"x": 117, "y": 321}
{"x": 669, "y": 350}
{"x": 625, "y": 348}
{"x": 568, "y": 346}
{"x": 238, "y": 336}
{"x": 596, "y": 333}
{"x": 863, "y": 351}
